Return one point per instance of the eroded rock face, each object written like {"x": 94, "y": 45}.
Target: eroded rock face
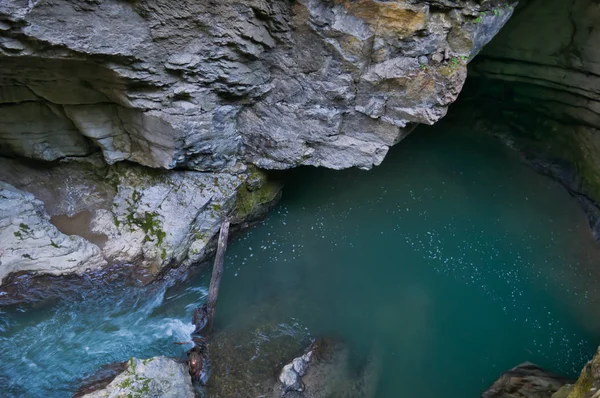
{"x": 122, "y": 214}
{"x": 31, "y": 243}
{"x": 525, "y": 381}
{"x": 206, "y": 84}
{"x": 538, "y": 82}
{"x": 588, "y": 384}
{"x": 153, "y": 377}
{"x": 212, "y": 87}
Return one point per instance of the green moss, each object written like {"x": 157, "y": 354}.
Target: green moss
{"x": 149, "y": 222}
{"x": 53, "y": 244}
{"x": 249, "y": 199}
{"x": 126, "y": 383}
{"x": 151, "y": 226}
{"x": 23, "y": 230}
{"x": 132, "y": 364}
{"x": 452, "y": 66}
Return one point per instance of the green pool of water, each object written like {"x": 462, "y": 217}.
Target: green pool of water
{"x": 452, "y": 259}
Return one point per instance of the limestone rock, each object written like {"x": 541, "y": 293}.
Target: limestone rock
{"x": 205, "y": 85}
{"x": 525, "y": 381}
{"x": 31, "y": 243}
{"x": 153, "y": 377}
{"x": 291, "y": 374}
{"x": 588, "y": 384}
{"x": 540, "y": 77}
{"x": 124, "y": 213}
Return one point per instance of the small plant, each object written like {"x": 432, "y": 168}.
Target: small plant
{"x": 454, "y": 62}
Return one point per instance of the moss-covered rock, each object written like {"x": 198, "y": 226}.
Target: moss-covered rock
{"x": 588, "y": 384}
{"x": 255, "y": 196}
{"x": 153, "y": 377}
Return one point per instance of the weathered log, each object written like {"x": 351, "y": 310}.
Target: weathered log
{"x": 203, "y": 317}
{"x": 215, "y": 281}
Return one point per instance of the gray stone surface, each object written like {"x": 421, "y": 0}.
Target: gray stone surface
{"x": 204, "y": 85}
{"x": 525, "y": 381}
{"x": 538, "y": 84}
{"x": 122, "y": 213}
{"x": 146, "y": 378}
{"x": 207, "y": 88}
{"x": 31, "y": 243}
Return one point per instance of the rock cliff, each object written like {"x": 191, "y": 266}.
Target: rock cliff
{"x": 537, "y": 84}
{"x": 147, "y": 117}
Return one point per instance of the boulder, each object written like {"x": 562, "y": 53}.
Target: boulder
{"x": 145, "y": 378}
{"x": 31, "y": 243}
{"x": 525, "y": 381}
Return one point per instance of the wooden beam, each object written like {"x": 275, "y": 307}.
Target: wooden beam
{"x": 215, "y": 281}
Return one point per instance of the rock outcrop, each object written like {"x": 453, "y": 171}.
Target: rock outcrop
{"x": 31, "y": 243}
{"x": 208, "y": 90}
{"x": 530, "y": 381}
{"x": 588, "y": 384}
{"x": 537, "y": 84}
{"x": 145, "y": 378}
{"x": 122, "y": 214}
{"x": 205, "y": 84}
{"x": 526, "y": 381}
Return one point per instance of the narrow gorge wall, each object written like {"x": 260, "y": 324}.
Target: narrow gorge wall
{"x": 147, "y": 118}
{"x": 537, "y": 84}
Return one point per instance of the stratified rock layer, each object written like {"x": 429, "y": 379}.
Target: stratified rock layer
{"x": 525, "y": 381}
{"x": 206, "y": 84}
{"x": 538, "y": 84}
{"x": 216, "y": 87}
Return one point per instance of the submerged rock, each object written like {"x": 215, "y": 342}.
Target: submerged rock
{"x": 329, "y": 373}
{"x": 153, "y": 377}
{"x": 526, "y": 381}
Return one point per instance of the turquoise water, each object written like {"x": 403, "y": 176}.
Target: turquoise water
{"x": 452, "y": 258}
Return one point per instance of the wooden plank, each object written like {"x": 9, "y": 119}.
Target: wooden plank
{"x": 215, "y": 281}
